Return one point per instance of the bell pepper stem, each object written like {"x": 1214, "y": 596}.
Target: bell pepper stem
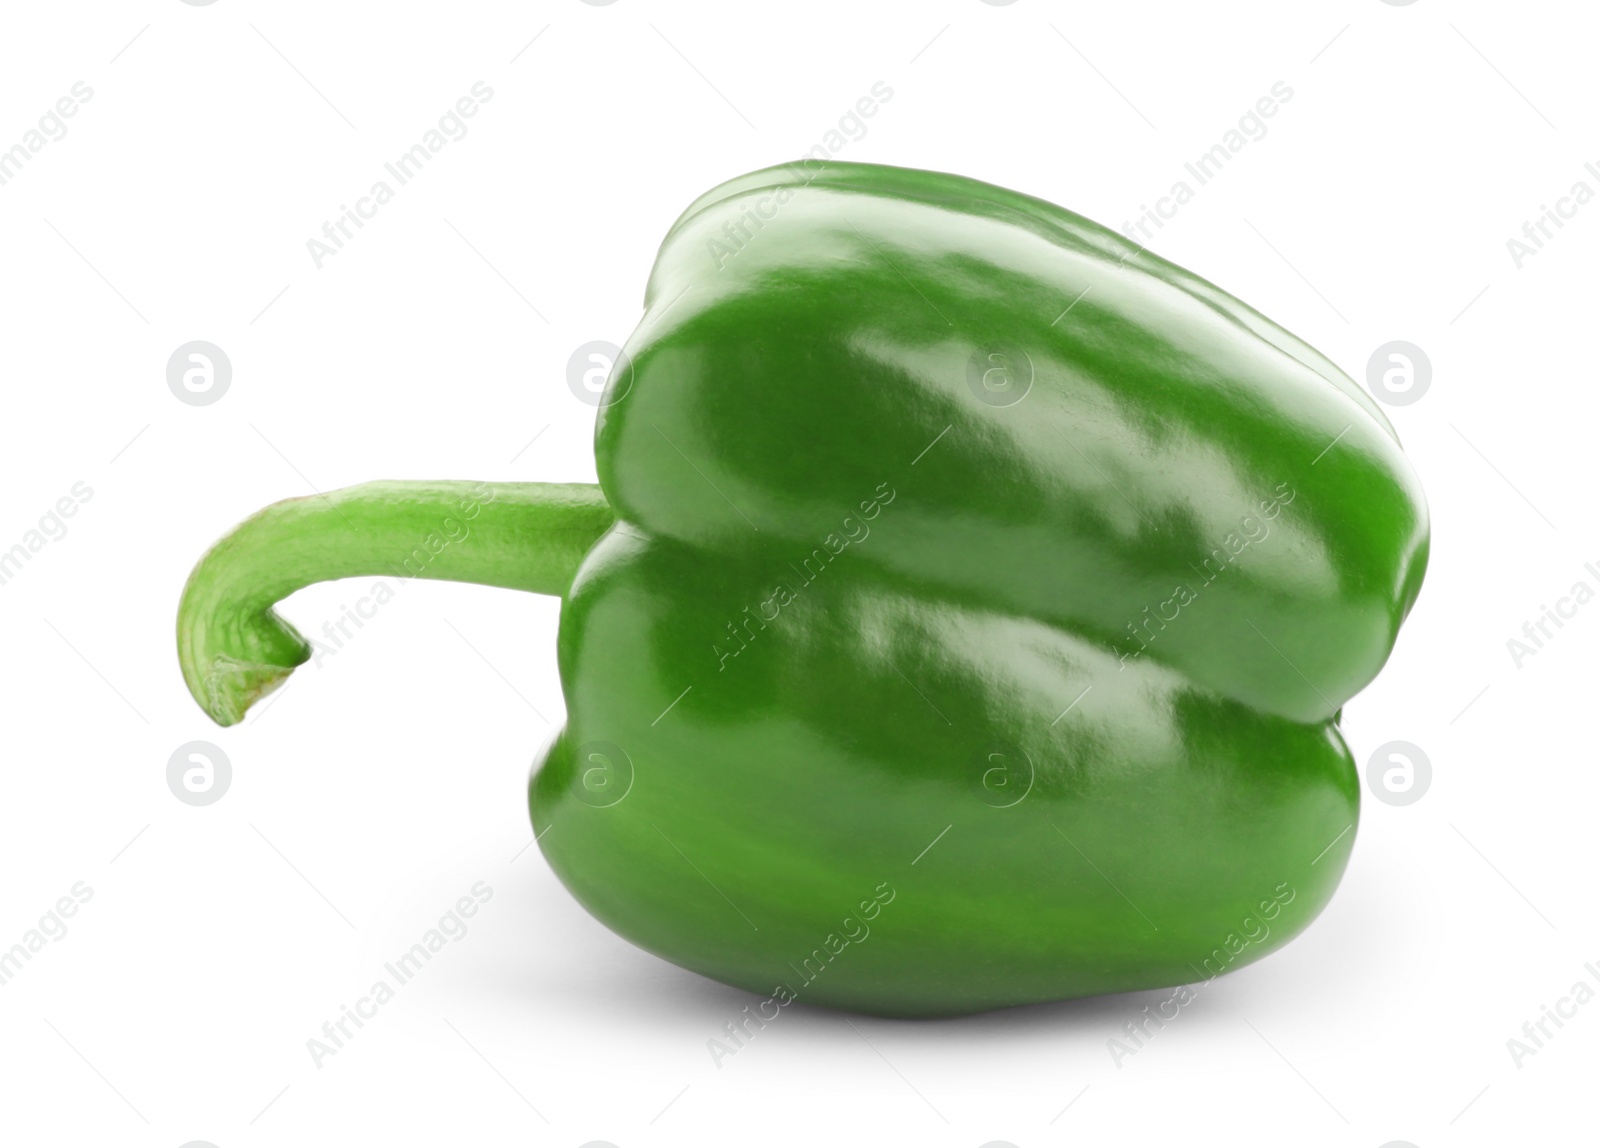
{"x": 235, "y": 649}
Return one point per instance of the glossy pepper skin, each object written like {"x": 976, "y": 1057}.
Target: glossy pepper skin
{"x": 981, "y": 598}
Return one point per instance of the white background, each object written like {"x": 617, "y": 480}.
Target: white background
{"x": 381, "y": 785}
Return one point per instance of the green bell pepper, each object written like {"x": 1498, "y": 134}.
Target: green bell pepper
{"x": 962, "y": 618}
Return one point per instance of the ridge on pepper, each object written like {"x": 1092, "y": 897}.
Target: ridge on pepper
{"x": 949, "y": 549}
